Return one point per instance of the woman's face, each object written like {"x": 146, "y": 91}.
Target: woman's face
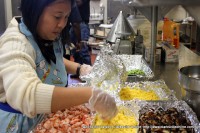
{"x": 53, "y": 19}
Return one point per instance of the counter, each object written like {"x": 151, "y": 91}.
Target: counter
{"x": 169, "y": 73}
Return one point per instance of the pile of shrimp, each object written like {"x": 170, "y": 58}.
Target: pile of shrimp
{"x": 72, "y": 120}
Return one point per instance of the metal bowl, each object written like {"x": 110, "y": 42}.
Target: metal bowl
{"x": 189, "y": 78}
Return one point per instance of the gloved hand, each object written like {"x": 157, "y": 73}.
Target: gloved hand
{"x": 85, "y": 69}
{"x": 103, "y": 103}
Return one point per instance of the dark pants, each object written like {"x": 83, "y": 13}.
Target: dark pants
{"x": 81, "y": 56}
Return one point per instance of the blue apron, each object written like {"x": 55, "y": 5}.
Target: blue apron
{"x": 13, "y": 121}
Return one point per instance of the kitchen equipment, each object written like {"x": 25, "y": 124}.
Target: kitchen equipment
{"x": 189, "y": 79}
{"x": 119, "y": 35}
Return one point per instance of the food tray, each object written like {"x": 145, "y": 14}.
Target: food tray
{"x": 159, "y": 87}
{"x": 133, "y": 62}
{"x": 126, "y": 120}
{"x": 130, "y": 62}
{"x": 145, "y": 106}
{"x": 137, "y": 106}
{"x": 73, "y": 119}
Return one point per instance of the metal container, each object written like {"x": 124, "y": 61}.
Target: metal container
{"x": 132, "y": 62}
{"x": 189, "y": 79}
{"x": 181, "y": 106}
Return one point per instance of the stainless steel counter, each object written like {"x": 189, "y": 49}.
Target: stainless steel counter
{"x": 169, "y": 73}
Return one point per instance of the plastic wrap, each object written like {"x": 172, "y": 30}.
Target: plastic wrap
{"x": 108, "y": 71}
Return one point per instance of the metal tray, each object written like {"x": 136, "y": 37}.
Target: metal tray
{"x": 130, "y": 62}
{"x": 179, "y": 105}
{"x": 159, "y": 87}
{"x": 133, "y": 62}
{"x": 137, "y": 106}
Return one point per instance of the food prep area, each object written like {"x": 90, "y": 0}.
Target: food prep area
{"x": 144, "y": 105}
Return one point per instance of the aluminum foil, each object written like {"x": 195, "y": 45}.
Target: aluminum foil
{"x": 107, "y": 65}
{"x": 179, "y": 105}
{"x": 159, "y": 87}
{"x": 40, "y": 118}
{"x": 108, "y": 71}
{"x": 119, "y": 103}
{"x": 45, "y": 117}
{"x": 135, "y": 107}
{"x": 129, "y": 109}
{"x": 133, "y": 62}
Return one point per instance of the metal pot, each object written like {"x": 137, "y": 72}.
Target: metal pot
{"x": 189, "y": 79}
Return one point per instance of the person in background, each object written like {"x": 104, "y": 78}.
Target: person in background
{"x": 81, "y": 52}
{"x": 33, "y": 72}
{"x": 74, "y": 21}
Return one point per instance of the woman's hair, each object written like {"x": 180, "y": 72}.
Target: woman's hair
{"x": 31, "y": 11}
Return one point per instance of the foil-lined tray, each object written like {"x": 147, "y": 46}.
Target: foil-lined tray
{"x": 119, "y": 123}
{"x": 158, "y": 86}
{"x": 136, "y": 107}
{"x": 133, "y": 62}
{"x": 168, "y": 100}
{"x": 56, "y": 122}
{"x": 145, "y": 106}
{"x": 105, "y": 65}
{"x": 110, "y": 71}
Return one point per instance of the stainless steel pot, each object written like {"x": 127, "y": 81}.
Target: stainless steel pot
{"x": 189, "y": 79}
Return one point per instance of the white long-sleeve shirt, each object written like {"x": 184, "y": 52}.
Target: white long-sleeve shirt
{"x": 20, "y": 86}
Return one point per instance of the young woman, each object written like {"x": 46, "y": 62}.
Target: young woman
{"x": 33, "y": 73}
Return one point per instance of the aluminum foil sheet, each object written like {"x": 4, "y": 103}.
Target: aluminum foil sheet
{"x": 40, "y": 118}
{"x": 135, "y": 107}
{"x": 133, "y": 62}
{"x": 108, "y": 71}
{"x": 159, "y": 87}
{"x": 119, "y": 103}
{"x": 52, "y": 120}
{"x": 179, "y": 105}
{"x": 107, "y": 63}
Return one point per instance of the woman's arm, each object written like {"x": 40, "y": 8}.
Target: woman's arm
{"x": 71, "y": 66}
{"x": 65, "y": 98}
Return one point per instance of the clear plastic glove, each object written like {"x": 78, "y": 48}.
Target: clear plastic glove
{"x": 103, "y": 103}
{"x": 85, "y": 69}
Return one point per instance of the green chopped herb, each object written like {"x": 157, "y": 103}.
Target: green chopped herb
{"x": 136, "y": 72}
